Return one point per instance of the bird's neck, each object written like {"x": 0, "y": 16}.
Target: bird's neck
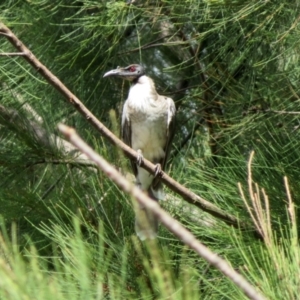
{"x": 144, "y": 87}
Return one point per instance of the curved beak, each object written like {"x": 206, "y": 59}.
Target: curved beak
{"x": 124, "y": 73}
{"x": 115, "y": 72}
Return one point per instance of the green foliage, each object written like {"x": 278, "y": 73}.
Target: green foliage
{"x": 233, "y": 69}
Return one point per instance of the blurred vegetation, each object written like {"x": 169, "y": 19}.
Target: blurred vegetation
{"x": 233, "y": 69}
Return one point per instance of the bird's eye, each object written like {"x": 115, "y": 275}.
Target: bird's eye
{"x": 132, "y": 69}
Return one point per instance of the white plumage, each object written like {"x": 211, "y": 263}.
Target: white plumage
{"x": 147, "y": 127}
{"x": 150, "y": 115}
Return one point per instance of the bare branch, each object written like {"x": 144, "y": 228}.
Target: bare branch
{"x": 3, "y": 33}
{"x": 172, "y": 224}
{"x": 283, "y": 112}
{"x": 50, "y": 141}
{"x": 189, "y": 196}
{"x": 255, "y": 109}
{"x": 25, "y": 106}
{"x": 13, "y": 54}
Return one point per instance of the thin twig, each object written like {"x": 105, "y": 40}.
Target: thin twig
{"x": 255, "y": 217}
{"x": 249, "y": 209}
{"x": 291, "y": 208}
{"x": 3, "y": 33}
{"x": 30, "y": 128}
{"x": 172, "y": 224}
{"x": 188, "y": 195}
{"x": 268, "y": 110}
{"x": 149, "y": 45}
{"x": 13, "y": 54}
{"x": 260, "y": 214}
{"x": 25, "y": 105}
{"x": 283, "y": 112}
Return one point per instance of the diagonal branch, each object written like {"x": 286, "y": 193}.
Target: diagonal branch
{"x": 188, "y": 195}
{"x": 13, "y": 54}
{"x": 172, "y": 224}
{"x": 26, "y": 128}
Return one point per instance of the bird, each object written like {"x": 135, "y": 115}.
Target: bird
{"x": 148, "y": 126}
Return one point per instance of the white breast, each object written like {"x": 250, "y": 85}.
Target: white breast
{"x": 149, "y": 119}
{"x": 149, "y": 116}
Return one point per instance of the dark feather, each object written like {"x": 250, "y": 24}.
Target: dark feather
{"x": 156, "y": 184}
{"x": 126, "y": 137}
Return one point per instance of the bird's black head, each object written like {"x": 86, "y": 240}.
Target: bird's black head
{"x": 131, "y": 73}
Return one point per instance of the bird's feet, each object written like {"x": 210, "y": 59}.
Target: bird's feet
{"x": 158, "y": 170}
{"x": 140, "y": 157}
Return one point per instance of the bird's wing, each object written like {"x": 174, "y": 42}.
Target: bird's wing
{"x": 169, "y": 137}
{"x": 126, "y": 134}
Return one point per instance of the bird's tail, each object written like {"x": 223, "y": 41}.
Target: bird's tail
{"x": 146, "y": 224}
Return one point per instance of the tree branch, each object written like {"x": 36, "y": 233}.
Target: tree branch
{"x": 268, "y": 110}
{"x": 27, "y": 128}
{"x": 13, "y": 54}
{"x": 172, "y": 224}
{"x": 25, "y": 105}
{"x": 189, "y": 196}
